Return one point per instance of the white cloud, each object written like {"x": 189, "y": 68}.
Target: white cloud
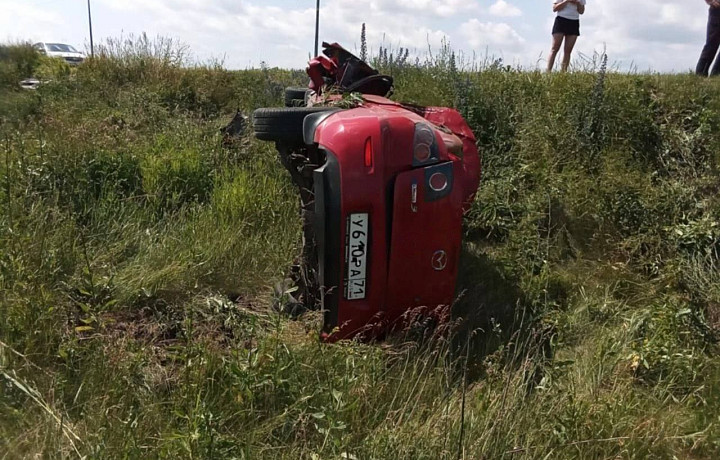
{"x": 443, "y": 8}
{"x": 669, "y": 36}
{"x": 19, "y": 19}
{"x": 283, "y": 36}
{"x": 662, "y": 34}
{"x": 504, "y": 9}
{"x": 244, "y": 33}
{"x": 495, "y": 35}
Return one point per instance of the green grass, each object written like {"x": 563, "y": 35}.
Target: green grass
{"x": 139, "y": 252}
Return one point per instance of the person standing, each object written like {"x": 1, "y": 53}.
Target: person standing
{"x": 567, "y": 28}
{"x": 712, "y": 42}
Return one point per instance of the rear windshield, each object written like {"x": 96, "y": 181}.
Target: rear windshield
{"x": 59, "y": 47}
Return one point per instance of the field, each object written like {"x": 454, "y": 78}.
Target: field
{"x": 141, "y": 254}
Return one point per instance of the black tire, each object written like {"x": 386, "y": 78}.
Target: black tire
{"x": 295, "y": 96}
{"x": 284, "y": 123}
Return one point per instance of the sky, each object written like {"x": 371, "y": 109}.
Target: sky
{"x": 638, "y": 35}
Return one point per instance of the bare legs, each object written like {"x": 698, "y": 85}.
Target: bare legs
{"x": 569, "y": 45}
{"x": 557, "y": 41}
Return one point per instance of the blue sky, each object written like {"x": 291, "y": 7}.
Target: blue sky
{"x": 662, "y": 35}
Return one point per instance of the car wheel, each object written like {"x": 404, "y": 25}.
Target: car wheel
{"x": 295, "y": 96}
{"x": 283, "y": 124}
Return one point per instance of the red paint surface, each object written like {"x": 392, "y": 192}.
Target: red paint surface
{"x": 403, "y": 235}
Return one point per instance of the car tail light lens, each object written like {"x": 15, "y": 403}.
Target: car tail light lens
{"x": 368, "y": 153}
{"x": 438, "y": 182}
{"x": 425, "y": 148}
{"x": 422, "y": 152}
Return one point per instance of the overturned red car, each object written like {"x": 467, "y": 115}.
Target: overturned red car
{"x": 383, "y": 189}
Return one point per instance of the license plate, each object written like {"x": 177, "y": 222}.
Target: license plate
{"x": 356, "y": 250}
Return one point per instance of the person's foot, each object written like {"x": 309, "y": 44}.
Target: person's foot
{"x": 701, "y": 70}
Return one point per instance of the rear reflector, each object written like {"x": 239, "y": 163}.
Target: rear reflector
{"x": 438, "y": 182}
{"x": 368, "y": 153}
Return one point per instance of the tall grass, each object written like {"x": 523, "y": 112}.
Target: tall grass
{"x": 17, "y": 61}
{"x": 139, "y": 255}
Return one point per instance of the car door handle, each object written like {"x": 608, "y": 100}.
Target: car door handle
{"x": 413, "y": 197}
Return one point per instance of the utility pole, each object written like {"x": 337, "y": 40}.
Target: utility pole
{"x": 317, "y": 25}
{"x": 92, "y": 48}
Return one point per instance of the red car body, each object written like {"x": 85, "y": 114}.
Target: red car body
{"x": 414, "y": 209}
{"x": 389, "y": 199}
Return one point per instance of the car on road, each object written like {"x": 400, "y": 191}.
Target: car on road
{"x": 62, "y": 51}
{"x": 383, "y": 190}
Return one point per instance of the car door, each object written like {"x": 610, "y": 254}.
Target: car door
{"x": 425, "y": 238}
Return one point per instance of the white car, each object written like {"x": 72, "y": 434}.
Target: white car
{"x": 62, "y": 51}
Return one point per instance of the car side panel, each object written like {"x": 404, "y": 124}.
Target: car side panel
{"x": 425, "y": 228}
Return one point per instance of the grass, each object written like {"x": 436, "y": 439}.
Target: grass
{"x": 139, "y": 254}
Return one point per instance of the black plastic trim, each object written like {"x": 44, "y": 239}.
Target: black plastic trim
{"x": 444, "y": 168}
{"x": 328, "y": 220}
{"x": 311, "y": 122}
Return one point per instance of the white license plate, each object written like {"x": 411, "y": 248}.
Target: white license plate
{"x": 356, "y": 250}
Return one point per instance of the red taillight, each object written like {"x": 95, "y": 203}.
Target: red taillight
{"x": 424, "y": 144}
{"x": 368, "y": 153}
{"x": 422, "y": 152}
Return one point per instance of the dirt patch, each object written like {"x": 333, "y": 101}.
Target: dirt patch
{"x": 212, "y": 321}
{"x": 141, "y": 326}
{"x": 713, "y": 315}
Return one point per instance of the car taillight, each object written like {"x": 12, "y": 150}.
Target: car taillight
{"x": 425, "y": 148}
{"x": 368, "y": 153}
{"x": 422, "y": 152}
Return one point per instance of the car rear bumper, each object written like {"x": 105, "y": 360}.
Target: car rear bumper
{"x": 73, "y": 60}
{"x": 328, "y": 219}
